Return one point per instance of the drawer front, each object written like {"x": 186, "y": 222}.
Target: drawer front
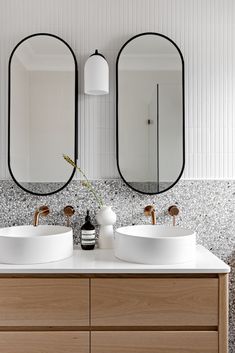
{"x": 154, "y": 342}
{"x": 154, "y": 302}
{"x": 44, "y": 302}
{"x": 44, "y": 342}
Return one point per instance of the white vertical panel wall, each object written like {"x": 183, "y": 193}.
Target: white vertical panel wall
{"x": 203, "y": 29}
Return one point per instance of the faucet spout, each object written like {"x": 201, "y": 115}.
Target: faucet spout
{"x": 150, "y": 211}
{"x": 41, "y": 211}
{"x": 36, "y": 218}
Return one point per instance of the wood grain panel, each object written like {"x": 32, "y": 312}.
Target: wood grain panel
{"x": 160, "y": 301}
{"x": 44, "y": 302}
{"x": 223, "y": 313}
{"x": 44, "y": 342}
{"x": 154, "y": 342}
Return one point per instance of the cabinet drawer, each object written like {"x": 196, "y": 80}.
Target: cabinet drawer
{"x": 46, "y": 342}
{"x": 154, "y": 342}
{"x": 154, "y": 302}
{"x": 44, "y": 302}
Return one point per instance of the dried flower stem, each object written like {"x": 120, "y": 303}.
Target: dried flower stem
{"x": 87, "y": 183}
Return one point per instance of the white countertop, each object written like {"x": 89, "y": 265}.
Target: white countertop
{"x": 104, "y": 261}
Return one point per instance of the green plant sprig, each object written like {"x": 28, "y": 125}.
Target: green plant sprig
{"x": 85, "y": 182}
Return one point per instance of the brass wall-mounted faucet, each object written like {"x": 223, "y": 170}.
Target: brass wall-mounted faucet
{"x": 173, "y": 212}
{"x": 41, "y": 211}
{"x": 150, "y": 211}
{"x": 68, "y": 212}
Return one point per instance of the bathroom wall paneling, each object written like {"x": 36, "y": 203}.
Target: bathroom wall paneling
{"x": 203, "y": 30}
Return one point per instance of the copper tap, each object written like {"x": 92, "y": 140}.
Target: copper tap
{"x": 173, "y": 211}
{"x": 41, "y": 211}
{"x": 68, "y": 212}
{"x": 150, "y": 211}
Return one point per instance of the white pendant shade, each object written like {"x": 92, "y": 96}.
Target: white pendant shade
{"x": 96, "y": 75}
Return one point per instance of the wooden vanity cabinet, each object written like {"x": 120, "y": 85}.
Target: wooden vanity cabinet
{"x": 154, "y": 342}
{"x": 44, "y": 302}
{"x": 114, "y": 313}
{"x": 154, "y": 302}
{"x": 44, "y": 342}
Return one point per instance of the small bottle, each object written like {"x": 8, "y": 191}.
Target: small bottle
{"x": 88, "y": 234}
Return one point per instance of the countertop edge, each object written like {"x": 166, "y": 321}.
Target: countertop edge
{"x": 117, "y": 272}
{"x": 103, "y": 261}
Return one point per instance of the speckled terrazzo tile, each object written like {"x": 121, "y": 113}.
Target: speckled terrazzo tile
{"x": 208, "y": 207}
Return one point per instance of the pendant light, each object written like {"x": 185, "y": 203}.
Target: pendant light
{"x": 96, "y": 75}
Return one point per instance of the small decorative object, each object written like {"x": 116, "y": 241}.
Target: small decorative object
{"x": 96, "y": 75}
{"x": 106, "y": 218}
{"x": 85, "y": 182}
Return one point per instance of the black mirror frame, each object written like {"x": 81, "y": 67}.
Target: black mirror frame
{"x": 183, "y": 110}
{"x": 75, "y": 111}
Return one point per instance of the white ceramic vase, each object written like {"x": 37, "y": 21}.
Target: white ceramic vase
{"x": 106, "y": 218}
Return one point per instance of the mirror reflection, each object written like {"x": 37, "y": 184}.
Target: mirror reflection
{"x": 150, "y": 113}
{"x": 42, "y": 114}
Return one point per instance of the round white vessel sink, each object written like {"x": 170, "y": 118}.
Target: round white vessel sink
{"x": 30, "y": 245}
{"x": 152, "y": 244}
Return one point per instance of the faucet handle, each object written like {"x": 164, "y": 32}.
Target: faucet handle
{"x": 68, "y": 212}
{"x": 173, "y": 212}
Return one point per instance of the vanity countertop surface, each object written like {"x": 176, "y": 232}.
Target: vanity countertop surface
{"x": 104, "y": 261}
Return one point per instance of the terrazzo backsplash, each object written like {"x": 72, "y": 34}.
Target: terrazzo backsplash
{"x": 208, "y": 207}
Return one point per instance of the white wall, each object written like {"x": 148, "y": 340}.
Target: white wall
{"x": 137, "y": 138}
{"x": 51, "y": 122}
{"x": 170, "y": 132}
{"x": 134, "y": 97}
{"x": 20, "y": 150}
{"x": 41, "y": 130}
{"x": 203, "y": 29}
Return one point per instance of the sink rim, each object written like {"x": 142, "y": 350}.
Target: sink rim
{"x": 34, "y": 232}
{"x": 159, "y": 245}
{"x": 28, "y": 245}
{"x": 174, "y": 229}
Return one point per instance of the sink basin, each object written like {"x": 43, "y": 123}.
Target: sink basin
{"x": 152, "y": 244}
{"x": 30, "y": 245}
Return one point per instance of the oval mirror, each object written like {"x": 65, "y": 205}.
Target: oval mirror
{"x": 42, "y": 123}
{"x": 150, "y": 113}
